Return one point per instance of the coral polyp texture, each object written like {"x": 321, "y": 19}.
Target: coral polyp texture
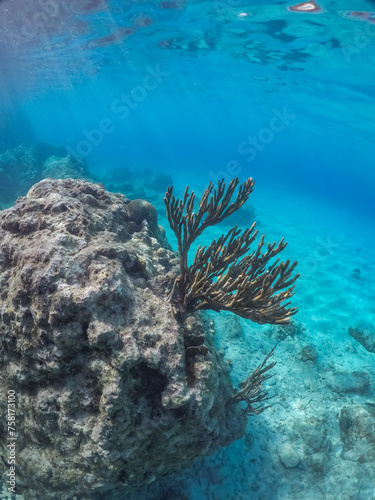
{"x": 224, "y": 275}
{"x": 112, "y": 392}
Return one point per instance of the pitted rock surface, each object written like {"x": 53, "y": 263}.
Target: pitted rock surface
{"x": 106, "y": 401}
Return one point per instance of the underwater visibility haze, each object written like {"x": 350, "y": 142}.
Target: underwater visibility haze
{"x": 138, "y": 369}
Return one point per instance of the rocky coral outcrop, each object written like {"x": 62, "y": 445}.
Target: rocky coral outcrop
{"x": 66, "y": 167}
{"x": 23, "y": 166}
{"x": 138, "y": 184}
{"x": 106, "y": 399}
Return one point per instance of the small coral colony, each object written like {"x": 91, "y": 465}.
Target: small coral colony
{"x": 225, "y": 275}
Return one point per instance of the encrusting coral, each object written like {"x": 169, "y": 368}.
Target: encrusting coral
{"x": 224, "y": 275}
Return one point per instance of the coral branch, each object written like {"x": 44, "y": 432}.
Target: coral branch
{"x": 251, "y": 390}
{"x": 224, "y": 275}
{"x": 212, "y": 210}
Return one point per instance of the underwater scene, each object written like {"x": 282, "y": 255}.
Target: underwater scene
{"x": 187, "y": 250}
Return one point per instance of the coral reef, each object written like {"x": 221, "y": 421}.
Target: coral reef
{"x": 245, "y": 216}
{"x": 23, "y": 166}
{"x": 128, "y": 189}
{"x": 145, "y": 184}
{"x": 224, "y": 275}
{"x": 156, "y": 181}
{"x": 111, "y": 392}
{"x": 66, "y": 167}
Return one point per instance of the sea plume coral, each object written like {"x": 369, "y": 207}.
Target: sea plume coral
{"x": 251, "y": 391}
{"x": 225, "y": 275}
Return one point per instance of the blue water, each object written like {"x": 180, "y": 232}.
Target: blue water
{"x": 215, "y": 87}
{"x": 204, "y": 90}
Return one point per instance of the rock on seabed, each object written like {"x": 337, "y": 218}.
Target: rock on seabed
{"x": 105, "y": 401}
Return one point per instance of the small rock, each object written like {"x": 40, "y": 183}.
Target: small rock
{"x": 288, "y": 455}
{"x": 357, "y": 431}
{"x": 308, "y": 353}
{"x": 283, "y": 332}
{"x": 364, "y": 337}
{"x": 306, "y": 383}
{"x": 232, "y": 326}
{"x": 313, "y": 431}
{"x": 356, "y": 274}
{"x": 317, "y": 462}
{"x": 345, "y": 382}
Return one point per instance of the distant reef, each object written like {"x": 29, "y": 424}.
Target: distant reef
{"x": 107, "y": 401}
{"x": 23, "y": 166}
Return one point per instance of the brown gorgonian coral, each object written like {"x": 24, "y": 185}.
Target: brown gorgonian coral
{"x": 225, "y": 275}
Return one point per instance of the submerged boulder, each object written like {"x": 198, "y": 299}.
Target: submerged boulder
{"x": 106, "y": 400}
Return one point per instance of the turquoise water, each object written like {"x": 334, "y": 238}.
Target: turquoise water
{"x": 204, "y": 90}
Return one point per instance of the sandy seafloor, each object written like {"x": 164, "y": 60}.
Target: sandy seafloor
{"x": 302, "y": 427}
